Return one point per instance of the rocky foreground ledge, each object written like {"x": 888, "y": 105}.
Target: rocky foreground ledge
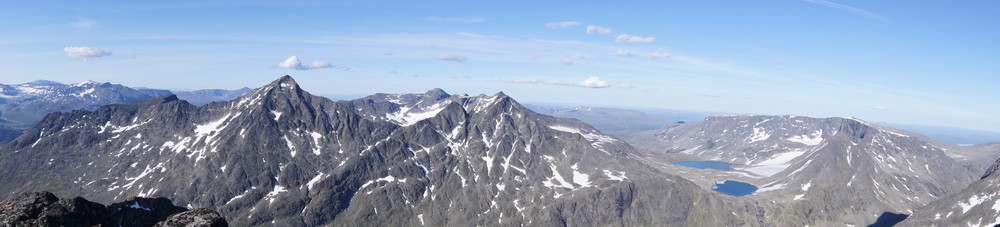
{"x": 45, "y": 209}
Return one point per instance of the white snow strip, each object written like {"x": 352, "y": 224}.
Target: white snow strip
{"x": 770, "y": 188}
{"x": 811, "y": 140}
{"x": 560, "y": 182}
{"x": 759, "y": 134}
{"x": 618, "y": 177}
{"x": 406, "y": 117}
{"x": 291, "y": 147}
{"x": 277, "y": 115}
{"x": 270, "y": 195}
{"x": 579, "y": 178}
{"x": 316, "y": 146}
{"x": 314, "y": 180}
{"x": 973, "y": 201}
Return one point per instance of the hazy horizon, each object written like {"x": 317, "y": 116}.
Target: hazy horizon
{"x": 929, "y": 63}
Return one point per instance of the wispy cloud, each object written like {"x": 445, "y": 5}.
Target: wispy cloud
{"x": 590, "y": 82}
{"x": 626, "y": 38}
{"x": 319, "y": 65}
{"x": 451, "y": 57}
{"x": 879, "y": 107}
{"x": 594, "y": 29}
{"x": 85, "y": 52}
{"x": 714, "y": 95}
{"x": 571, "y": 59}
{"x": 527, "y": 81}
{"x": 563, "y": 24}
{"x": 467, "y": 20}
{"x": 861, "y": 12}
{"x": 84, "y": 23}
{"x": 658, "y": 55}
{"x": 624, "y": 53}
{"x": 294, "y": 63}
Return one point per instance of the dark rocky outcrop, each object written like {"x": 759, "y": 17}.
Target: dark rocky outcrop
{"x": 45, "y": 209}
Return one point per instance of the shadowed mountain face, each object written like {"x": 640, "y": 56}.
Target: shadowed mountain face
{"x": 280, "y": 155}
{"x": 822, "y": 171}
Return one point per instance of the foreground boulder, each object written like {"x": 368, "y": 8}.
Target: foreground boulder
{"x": 45, "y": 209}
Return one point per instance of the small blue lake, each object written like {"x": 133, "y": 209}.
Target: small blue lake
{"x": 734, "y": 188}
{"x": 706, "y": 164}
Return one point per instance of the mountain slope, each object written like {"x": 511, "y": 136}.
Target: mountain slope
{"x": 822, "y": 171}
{"x": 280, "y": 155}
{"x": 976, "y": 205}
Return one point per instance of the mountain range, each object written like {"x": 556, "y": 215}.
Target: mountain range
{"x": 278, "y": 155}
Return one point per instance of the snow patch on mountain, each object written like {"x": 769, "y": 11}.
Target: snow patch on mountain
{"x": 811, "y": 140}
{"x": 407, "y": 116}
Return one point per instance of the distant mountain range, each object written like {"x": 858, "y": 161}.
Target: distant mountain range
{"x": 23, "y": 105}
{"x": 609, "y": 119}
{"x": 831, "y": 170}
{"x": 206, "y": 96}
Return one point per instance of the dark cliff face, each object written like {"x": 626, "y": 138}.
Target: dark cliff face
{"x": 281, "y": 155}
{"x": 45, "y": 209}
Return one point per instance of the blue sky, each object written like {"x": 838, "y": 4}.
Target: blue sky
{"x": 916, "y": 62}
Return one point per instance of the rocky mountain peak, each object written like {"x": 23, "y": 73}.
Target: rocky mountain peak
{"x": 437, "y": 94}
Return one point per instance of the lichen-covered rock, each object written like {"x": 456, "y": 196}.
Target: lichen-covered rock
{"x": 195, "y": 218}
{"x": 23, "y": 210}
{"x": 45, "y": 209}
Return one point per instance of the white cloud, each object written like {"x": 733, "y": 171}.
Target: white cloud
{"x": 456, "y": 19}
{"x": 590, "y": 82}
{"x": 570, "y": 60}
{"x": 626, "y": 38}
{"x": 319, "y": 65}
{"x": 861, "y": 12}
{"x": 85, "y": 23}
{"x": 562, "y": 24}
{"x": 625, "y": 86}
{"x": 294, "y": 63}
{"x": 624, "y": 53}
{"x": 85, "y": 52}
{"x": 451, "y": 57}
{"x": 658, "y": 55}
{"x": 594, "y": 29}
{"x": 879, "y": 107}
